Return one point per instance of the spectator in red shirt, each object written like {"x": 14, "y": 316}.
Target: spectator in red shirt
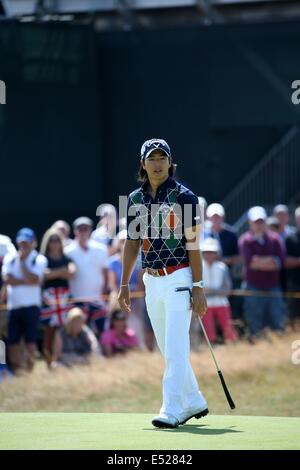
{"x": 263, "y": 255}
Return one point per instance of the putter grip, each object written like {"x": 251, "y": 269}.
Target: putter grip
{"x": 226, "y": 391}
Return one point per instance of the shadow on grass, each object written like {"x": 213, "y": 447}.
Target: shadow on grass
{"x": 197, "y": 429}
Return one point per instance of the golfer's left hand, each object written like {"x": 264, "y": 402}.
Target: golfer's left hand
{"x": 199, "y": 305}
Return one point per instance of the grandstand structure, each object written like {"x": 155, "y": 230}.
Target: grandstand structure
{"x": 224, "y": 100}
{"x": 143, "y": 13}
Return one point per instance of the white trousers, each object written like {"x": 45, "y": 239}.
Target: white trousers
{"x": 170, "y": 316}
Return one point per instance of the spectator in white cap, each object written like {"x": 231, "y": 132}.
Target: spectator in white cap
{"x": 91, "y": 278}
{"x": 217, "y": 283}
{"x": 282, "y": 213}
{"x": 226, "y": 237}
{"x": 263, "y": 256}
{"x": 229, "y": 250}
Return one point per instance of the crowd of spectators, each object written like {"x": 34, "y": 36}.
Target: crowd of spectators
{"x": 263, "y": 266}
{"x": 61, "y": 300}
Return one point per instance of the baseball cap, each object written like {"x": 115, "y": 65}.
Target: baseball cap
{"x": 257, "y": 213}
{"x": 215, "y": 209}
{"x": 25, "y": 235}
{"x": 280, "y": 208}
{"x": 75, "y": 312}
{"x": 210, "y": 244}
{"x": 82, "y": 221}
{"x": 273, "y": 221}
{"x": 155, "y": 144}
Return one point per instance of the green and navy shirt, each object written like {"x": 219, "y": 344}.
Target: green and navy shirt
{"x": 160, "y": 223}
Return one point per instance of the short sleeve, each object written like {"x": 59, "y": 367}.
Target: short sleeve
{"x": 104, "y": 258}
{"x": 7, "y": 262}
{"x": 112, "y": 263}
{"x": 67, "y": 260}
{"x": 191, "y": 209}
{"x": 39, "y": 266}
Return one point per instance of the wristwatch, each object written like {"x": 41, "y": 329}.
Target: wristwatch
{"x": 199, "y": 284}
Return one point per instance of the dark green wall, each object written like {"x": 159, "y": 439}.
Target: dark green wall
{"x": 80, "y": 104}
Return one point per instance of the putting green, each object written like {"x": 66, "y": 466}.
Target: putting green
{"x": 135, "y": 432}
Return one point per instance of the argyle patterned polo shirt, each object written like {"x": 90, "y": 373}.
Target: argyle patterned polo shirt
{"x": 159, "y": 223}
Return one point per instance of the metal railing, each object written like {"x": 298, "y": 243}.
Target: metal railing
{"x": 275, "y": 179}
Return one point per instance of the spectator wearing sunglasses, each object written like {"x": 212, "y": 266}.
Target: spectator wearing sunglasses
{"x": 56, "y": 292}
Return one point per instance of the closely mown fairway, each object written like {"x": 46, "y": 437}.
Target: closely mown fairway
{"x": 134, "y": 431}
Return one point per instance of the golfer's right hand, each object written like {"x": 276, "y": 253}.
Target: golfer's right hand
{"x": 124, "y": 298}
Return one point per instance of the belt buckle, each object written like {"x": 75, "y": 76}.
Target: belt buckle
{"x": 155, "y": 272}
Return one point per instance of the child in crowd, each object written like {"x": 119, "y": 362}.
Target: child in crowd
{"x": 217, "y": 282}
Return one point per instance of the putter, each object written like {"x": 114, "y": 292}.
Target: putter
{"x": 226, "y": 391}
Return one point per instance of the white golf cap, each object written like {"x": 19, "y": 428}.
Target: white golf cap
{"x": 215, "y": 209}
{"x": 82, "y": 221}
{"x": 257, "y": 213}
{"x": 210, "y": 244}
{"x": 280, "y": 208}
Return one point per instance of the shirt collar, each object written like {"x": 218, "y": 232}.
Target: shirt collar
{"x": 169, "y": 183}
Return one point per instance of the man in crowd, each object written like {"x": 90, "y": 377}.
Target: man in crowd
{"x": 6, "y": 246}
{"x": 229, "y": 250}
{"x": 282, "y": 213}
{"x": 91, "y": 278}
{"x": 226, "y": 237}
{"x": 263, "y": 256}
{"x": 22, "y": 274}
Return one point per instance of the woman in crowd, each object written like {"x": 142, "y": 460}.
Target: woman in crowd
{"x": 119, "y": 338}
{"x": 56, "y": 293}
{"x": 74, "y": 342}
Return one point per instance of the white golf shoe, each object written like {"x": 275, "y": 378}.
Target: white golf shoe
{"x": 165, "y": 420}
{"x": 189, "y": 414}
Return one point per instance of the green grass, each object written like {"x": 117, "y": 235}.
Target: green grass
{"x": 134, "y": 431}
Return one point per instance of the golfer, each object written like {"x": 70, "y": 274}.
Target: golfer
{"x": 163, "y": 219}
